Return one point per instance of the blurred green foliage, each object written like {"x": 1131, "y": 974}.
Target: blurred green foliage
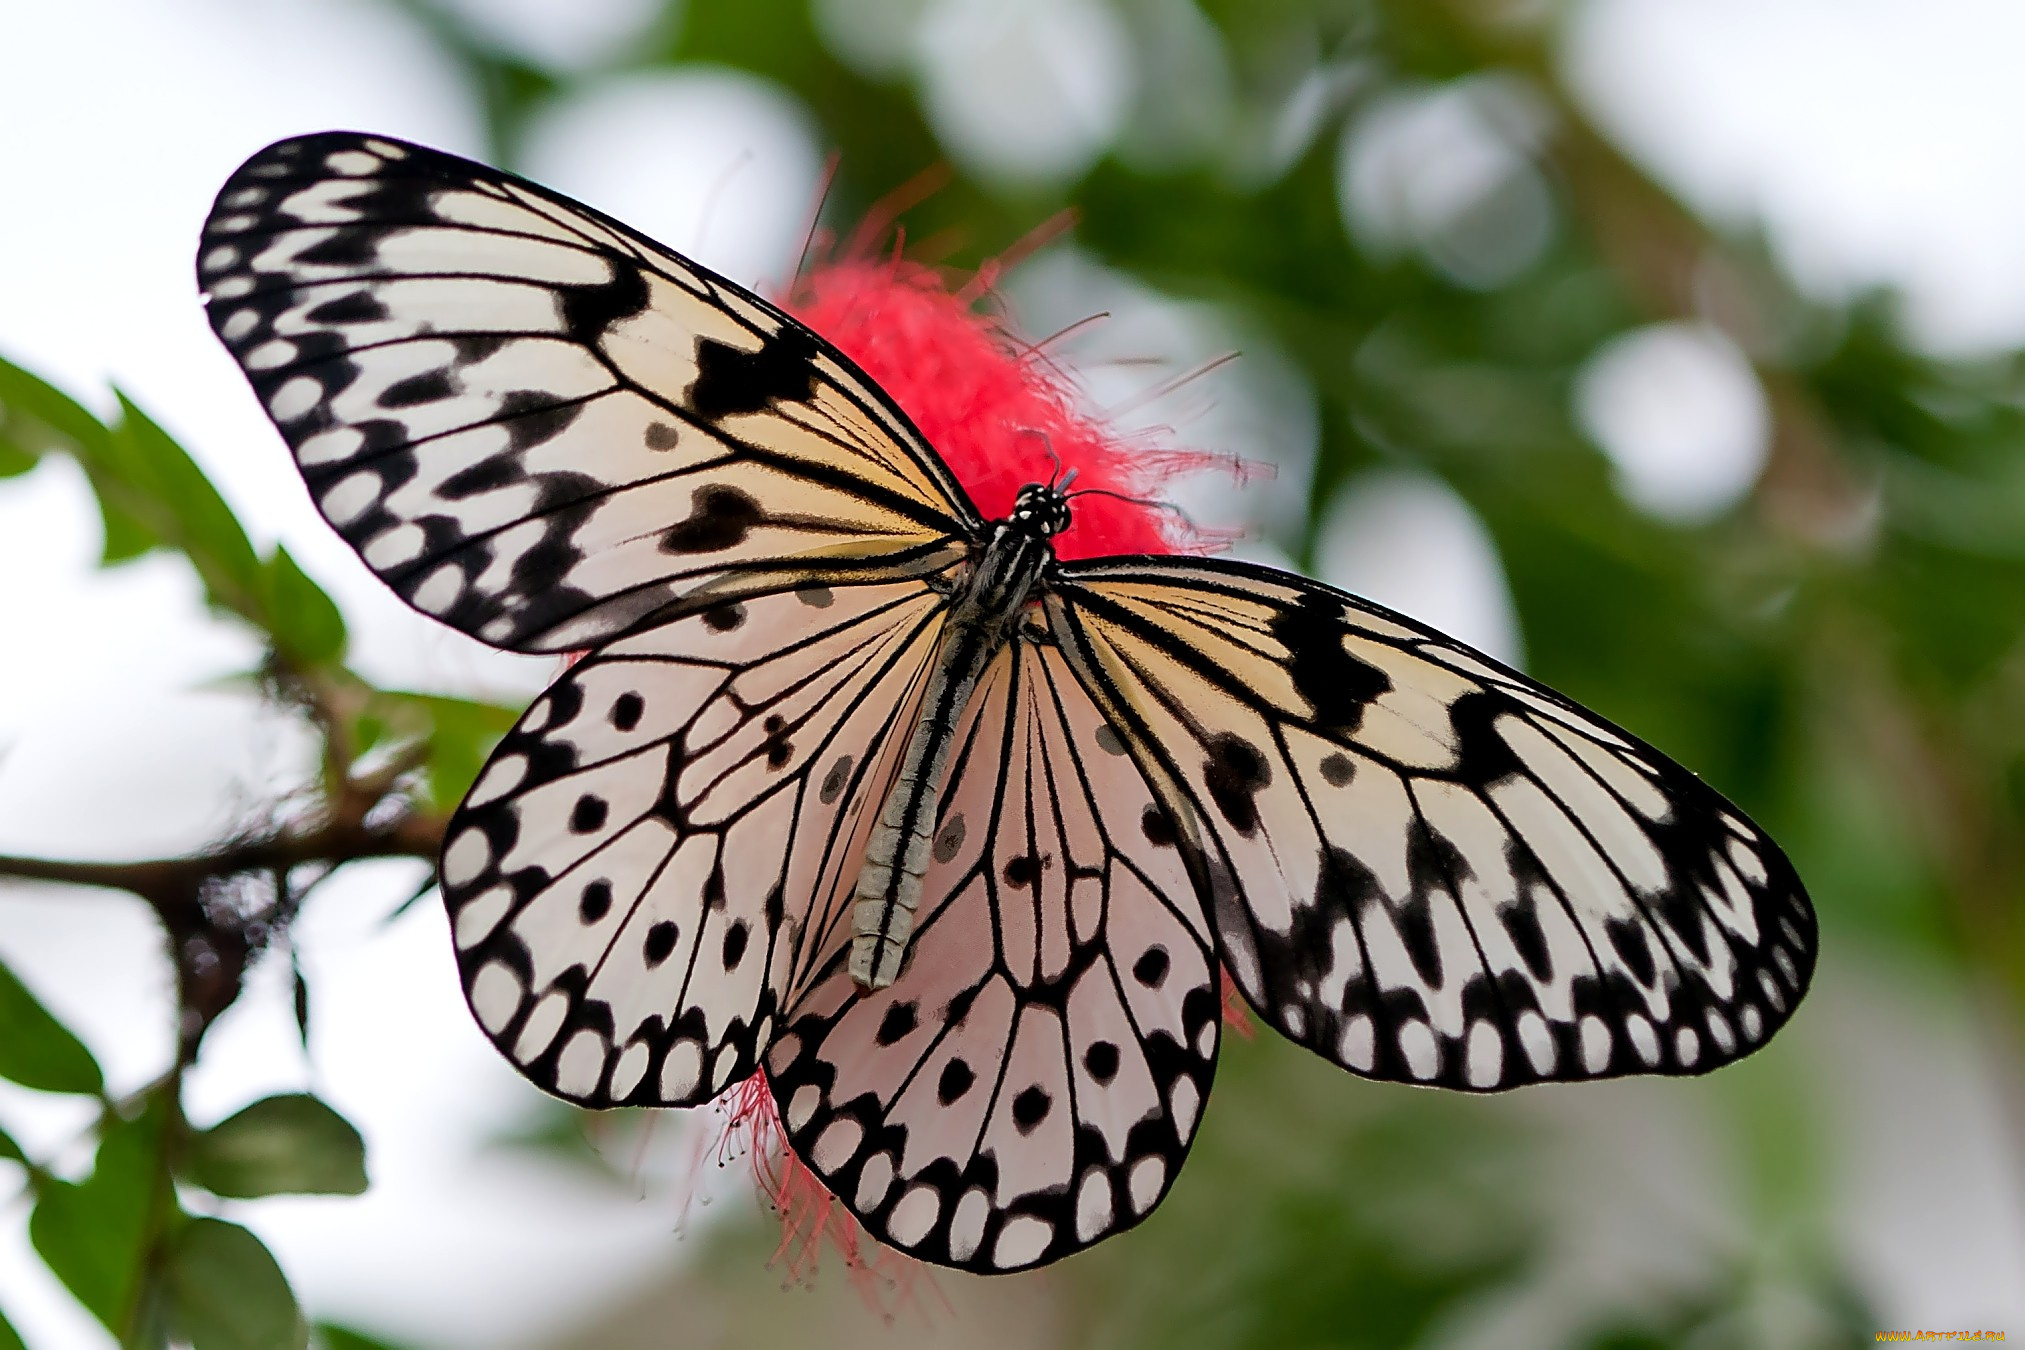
{"x": 1843, "y": 652}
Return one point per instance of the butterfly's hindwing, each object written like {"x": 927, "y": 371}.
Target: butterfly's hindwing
{"x": 1421, "y": 864}
{"x": 660, "y": 852}
{"x": 1032, "y": 1081}
{"x": 538, "y": 426}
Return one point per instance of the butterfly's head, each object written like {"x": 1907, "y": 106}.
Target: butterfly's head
{"x": 1040, "y": 510}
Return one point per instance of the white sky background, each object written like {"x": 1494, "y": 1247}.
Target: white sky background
{"x": 1877, "y": 140}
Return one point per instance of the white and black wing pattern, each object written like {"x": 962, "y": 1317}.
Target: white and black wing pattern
{"x": 1421, "y": 864}
{"x": 1032, "y": 1081}
{"x": 664, "y": 848}
{"x": 538, "y": 426}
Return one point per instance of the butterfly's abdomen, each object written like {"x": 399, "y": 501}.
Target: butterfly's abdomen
{"x": 896, "y": 859}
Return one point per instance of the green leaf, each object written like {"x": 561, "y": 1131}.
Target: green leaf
{"x": 161, "y": 486}
{"x": 330, "y": 1336}
{"x": 38, "y": 1051}
{"x": 36, "y": 417}
{"x": 227, "y": 1293}
{"x": 303, "y": 621}
{"x": 290, "y": 1144}
{"x": 94, "y": 1234}
{"x": 10, "y": 1339}
{"x": 460, "y": 734}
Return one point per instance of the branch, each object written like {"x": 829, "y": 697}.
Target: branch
{"x": 168, "y": 880}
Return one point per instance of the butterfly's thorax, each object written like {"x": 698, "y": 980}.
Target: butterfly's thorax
{"x": 982, "y": 618}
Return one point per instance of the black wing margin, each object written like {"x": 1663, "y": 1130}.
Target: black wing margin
{"x": 1421, "y": 864}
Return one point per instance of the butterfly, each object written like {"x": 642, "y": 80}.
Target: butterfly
{"x": 950, "y": 837}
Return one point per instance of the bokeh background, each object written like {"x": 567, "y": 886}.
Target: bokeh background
{"x": 1667, "y": 350}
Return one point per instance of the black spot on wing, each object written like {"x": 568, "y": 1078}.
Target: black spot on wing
{"x": 777, "y": 748}
{"x": 532, "y": 418}
{"x": 900, "y": 1019}
{"x": 956, "y": 1080}
{"x": 725, "y": 617}
{"x": 1627, "y": 938}
{"x": 587, "y": 311}
{"x": 588, "y": 814}
{"x": 431, "y": 386}
{"x": 1030, "y": 1108}
{"x": 735, "y": 939}
{"x": 1235, "y": 773}
{"x": 496, "y": 471}
{"x": 1521, "y": 921}
{"x": 358, "y": 307}
{"x": 660, "y": 943}
{"x": 730, "y": 381}
{"x": 1335, "y": 684}
{"x": 720, "y": 517}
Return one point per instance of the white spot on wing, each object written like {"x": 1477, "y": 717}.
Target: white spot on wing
{"x": 1538, "y": 1041}
{"x": 1184, "y": 1101}
{"x": 500, "y": 777}
{"x": 1643, "y": 1039}
{"x": 838, "y": 1141}
{"x": 1143, "y": 1183}
{"x": 1485, "y": 1055}
{"x": 466, "y": 857}
{"x": 1021, "y": 1241}
{"x": 1093, "y": 1204}
{"x": 802, "y": 1106}
{"x": 1358, "y": 1044}
{"x": 681, "y": 1071}
{"x": 914, "y": 1216}
{"x": 966, "y": 1226}
{"x": 294, "y": 398}
{"x": 874, "y": 1181}
{"x": 541, "y": 1027}
{"x": 495, "y": 995}
{"x": 1417, "y": 1045}
{"x": 1595, "y": 1044}
{"x": 580, "y": 1064}
{"x": 481, "y": 915}
{"x": 630, "y": 1069}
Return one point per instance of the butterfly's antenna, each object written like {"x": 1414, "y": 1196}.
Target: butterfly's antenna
{"x": 1147, "y": 502}
{"x": 716, "y": 192}
{"x": 1168, "y": 386}
{"x": 1055, "y": 479}
{"x": 895, "y": 204}
{"x": 829, "y": 181}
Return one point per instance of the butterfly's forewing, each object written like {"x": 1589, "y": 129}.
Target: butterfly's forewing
{"x": 537, "y": 425}
{"x": 661, "y": 851}
{"x": 1421, "y": 864}
{"x": 1032, "y": 1081}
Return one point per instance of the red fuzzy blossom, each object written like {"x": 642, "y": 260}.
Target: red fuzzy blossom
{"x": 998, "y": 411}
{"x": 1001, "y": 415}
